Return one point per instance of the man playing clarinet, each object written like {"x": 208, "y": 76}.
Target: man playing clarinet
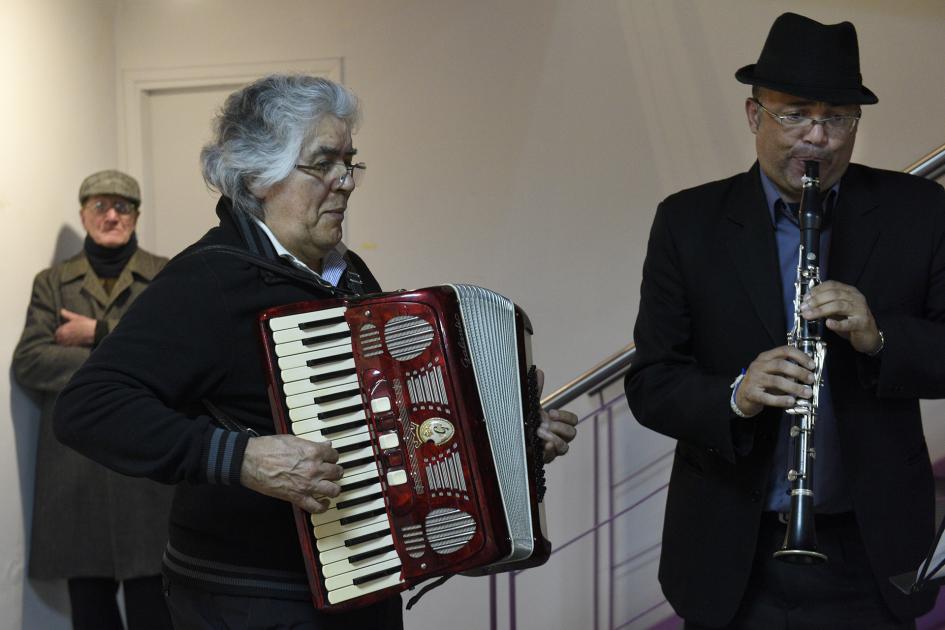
{"x": 713, "y": 371}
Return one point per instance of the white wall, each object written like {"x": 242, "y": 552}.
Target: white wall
{"x": 58, "y": 107}
{"x": 521, "y": 145}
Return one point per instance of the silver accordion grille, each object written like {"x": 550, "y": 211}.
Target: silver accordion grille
{"x": 489, "y": 324}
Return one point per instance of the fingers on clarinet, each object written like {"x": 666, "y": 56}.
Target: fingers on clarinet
{"x": 770, "y": 400}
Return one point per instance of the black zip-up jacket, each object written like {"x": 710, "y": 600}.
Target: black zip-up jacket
{"x": 135, "y": 406}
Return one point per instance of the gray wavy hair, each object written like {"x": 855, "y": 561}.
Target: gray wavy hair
{"x": 258, "y": 133}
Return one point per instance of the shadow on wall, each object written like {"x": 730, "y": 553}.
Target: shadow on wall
{"x": 43, "y": 601}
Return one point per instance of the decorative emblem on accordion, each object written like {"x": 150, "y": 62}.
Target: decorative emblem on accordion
{"x": 430, "y": 399}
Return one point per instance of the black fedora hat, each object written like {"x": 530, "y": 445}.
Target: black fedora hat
{"x": 811, "y": 60}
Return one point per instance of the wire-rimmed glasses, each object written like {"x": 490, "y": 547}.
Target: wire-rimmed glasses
{"x": 839, "y": 125}
{"x": 331, "y": 173}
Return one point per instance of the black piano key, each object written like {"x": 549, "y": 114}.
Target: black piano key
{"x": 370, "y": 554}
{"x": 344, "y": 427}
{"x": 350, "y": 393}
{"x": 354, "y": 485}
{"x": 343, "y": 505}
{"x": 334, "y": 413}
{"x": 353, "y": 447}
{"x": 375, "y": 576}
{"x": 354, "y": 518}
{"x": 327, "y": 376}
{"x": 311, "y": 341}
{"x": 356, "y": 462}
{"x": 331, "y": 359}
{"x": 357, "y": 540}
{"x": 331, "y": 321}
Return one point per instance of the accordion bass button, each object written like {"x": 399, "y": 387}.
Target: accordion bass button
{"x": 388, "y": 441}
{"x": 399, "y": 495}
{"x": 395, "y": 458}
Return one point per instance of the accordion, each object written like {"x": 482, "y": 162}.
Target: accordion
{"x": 431, "y": 401}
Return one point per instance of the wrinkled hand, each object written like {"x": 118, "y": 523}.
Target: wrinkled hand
{"x": 776, "y": 378}
{"x": 292, "y": 469}
{"x": 78, "y": 330}
{"x": 557, "y": 427}
{"x": 846, "y": 312}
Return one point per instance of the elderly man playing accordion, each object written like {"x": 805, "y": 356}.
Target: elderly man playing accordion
{"x": 152, "y": 399}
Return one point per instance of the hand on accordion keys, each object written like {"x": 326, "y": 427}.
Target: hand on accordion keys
{"x": 295, "y": 470}
{"x": 557, "y": 427}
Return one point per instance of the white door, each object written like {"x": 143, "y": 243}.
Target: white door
{"x": 167, "y": 116}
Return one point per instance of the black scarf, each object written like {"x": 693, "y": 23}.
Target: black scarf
{"x": 109, "y": 261}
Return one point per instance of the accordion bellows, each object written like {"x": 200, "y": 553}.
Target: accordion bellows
{"x": 431, "y": 401}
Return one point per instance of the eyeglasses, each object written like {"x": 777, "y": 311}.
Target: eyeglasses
{"x": 121, "y": 207}
{"x": 332, "y": 173}
{"x": 840, "y": 125}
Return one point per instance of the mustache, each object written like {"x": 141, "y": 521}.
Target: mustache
{"x": 811, "y": 153}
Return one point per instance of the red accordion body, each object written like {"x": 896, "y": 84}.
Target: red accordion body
{"x": 430, "y": 399}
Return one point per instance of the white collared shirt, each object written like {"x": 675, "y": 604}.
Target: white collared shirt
{"x": 333, "y": 264}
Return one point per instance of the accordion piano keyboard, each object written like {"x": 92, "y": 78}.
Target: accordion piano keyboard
{"x": 353, "y": 537}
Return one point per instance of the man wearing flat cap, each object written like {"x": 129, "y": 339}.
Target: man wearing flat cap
{"x": 712, "y": 369}
{"x": 91, "y": 526}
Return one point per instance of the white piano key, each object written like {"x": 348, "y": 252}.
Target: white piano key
{"x": 299, "y": 360}
{"x": 314, "y": 424}
{"x": 343, "y": 567}
{"x": 298, "y": 334}
{"x": 297, "y": 347}
{"x": 311, "y": 411}
{"x": 321, "y": 436}
{"x": 363, "y": 439}
{"x": 351, "y": 390}
{"x": 346, "y": 579}
{"x": 349, "y": 478}
{"x": 334, "y": 513}
{"x": 333, "y": 527}
{"x": 360, "y": 468}
{"x": 350, "y": 592}
{"x": 299, "y": 380}
{"x": 291, "y": 321}
{"x": 316, "y": 436}
{"x": 308, "y": 398}
{"x": 375, "y": 524}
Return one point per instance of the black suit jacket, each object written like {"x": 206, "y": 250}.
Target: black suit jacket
{"x": 711, "y": 302}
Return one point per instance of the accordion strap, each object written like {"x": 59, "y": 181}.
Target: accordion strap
{"x": 225, "y": 421}
{"x": 429, "y": 587}
{"x": 275, "y": 267}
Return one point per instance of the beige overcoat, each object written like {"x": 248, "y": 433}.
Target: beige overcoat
{"x": 87, "y": 520}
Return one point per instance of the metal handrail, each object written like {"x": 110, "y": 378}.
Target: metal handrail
{"x": 593, "y": 380}
{"x": 931, "y": 166}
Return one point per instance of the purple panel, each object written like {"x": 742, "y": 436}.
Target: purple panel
{"x": 935, "y": 618}
{"x": 670, "y": 623}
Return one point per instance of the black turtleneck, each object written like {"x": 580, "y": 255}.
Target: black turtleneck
{"x": 109, "y": 261}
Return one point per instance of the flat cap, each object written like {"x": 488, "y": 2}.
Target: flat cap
{"x": 110, "y": 182}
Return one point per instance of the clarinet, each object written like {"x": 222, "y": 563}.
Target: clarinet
{"x": 800, "y": 540}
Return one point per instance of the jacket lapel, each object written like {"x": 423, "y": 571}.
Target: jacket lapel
{"x": 751, "y": 244}
{"x": 855, "y": 227}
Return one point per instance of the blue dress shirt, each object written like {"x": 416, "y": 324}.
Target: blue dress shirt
{"x": 831, "y": 493}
